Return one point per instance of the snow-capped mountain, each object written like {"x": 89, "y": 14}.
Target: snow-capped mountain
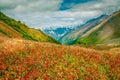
{"x": 81, "y": 30}
{"x": 61, "y": 32}
{"x": 58, "y": 33}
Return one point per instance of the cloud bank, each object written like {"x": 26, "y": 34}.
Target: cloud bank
{"x": 57, "y": 13}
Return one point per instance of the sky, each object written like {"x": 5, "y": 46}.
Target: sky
{"x": 57, "y": 13}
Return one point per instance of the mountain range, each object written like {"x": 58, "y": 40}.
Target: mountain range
{"x": 61, "y": 32}
{"x": 105, "y": 33}
{"x": 101, "y": 31}
{"x": 80, "y": 30}
{"x": 58, "y": 33}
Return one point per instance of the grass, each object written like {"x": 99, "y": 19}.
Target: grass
{"x": 1, "y": 31}
{"x": 27, "y": 60}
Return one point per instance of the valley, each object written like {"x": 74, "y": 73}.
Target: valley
{"x": 91, "y": 53}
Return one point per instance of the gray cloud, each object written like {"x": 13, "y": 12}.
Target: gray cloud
{"x": 105, "y": 6}
{"x": 29, "y": 5}
{"x": 45, "y": 13}
{"x": 56, "y": 19}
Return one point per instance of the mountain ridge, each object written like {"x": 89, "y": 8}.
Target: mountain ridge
{"x": 12, "y": 28}
{"x": 80, "y": 30}
{"x": 104, "y": 33}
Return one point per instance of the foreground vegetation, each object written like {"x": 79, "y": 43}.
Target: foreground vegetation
{"x": 26, "y": 60}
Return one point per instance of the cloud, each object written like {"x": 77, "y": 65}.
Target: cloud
{"x": 105, "y": 6}
{"x": 67, "y": 4}
{"x": 29, "y": 5}
{"x": 46, "y": 13}
{"x": 56, "y": 19}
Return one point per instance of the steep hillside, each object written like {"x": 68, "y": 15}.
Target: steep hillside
{"x": 81, "y": 30}
{"x": 8, "y": 31}
{"x": 15, "y": 29}
{"x": 106, "y": 33}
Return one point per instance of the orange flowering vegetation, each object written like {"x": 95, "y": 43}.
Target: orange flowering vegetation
{"x": 27, "y": 60}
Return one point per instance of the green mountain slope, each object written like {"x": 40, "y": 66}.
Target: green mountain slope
{"x": 15, "y": 29}
{"x": 106, "y": 33}
{"x": 77, "y": 33}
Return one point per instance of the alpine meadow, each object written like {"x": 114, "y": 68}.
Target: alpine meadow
{"x": 60, "y": 40}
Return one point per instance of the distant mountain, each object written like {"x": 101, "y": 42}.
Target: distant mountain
{"x": 15, "y": 29}
{"x": 58, "y": 33}
{"x": 80, "y": 30}
{"x": 105, "y": 33}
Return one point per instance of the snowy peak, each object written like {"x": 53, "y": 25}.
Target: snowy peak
{"x": 58, "y": 33}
